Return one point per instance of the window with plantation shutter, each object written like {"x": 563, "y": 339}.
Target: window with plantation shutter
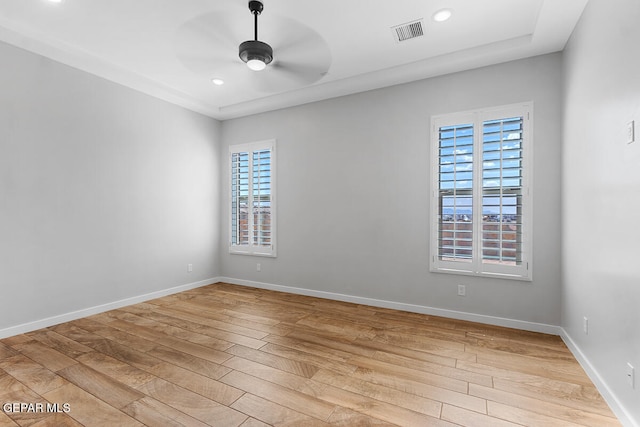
{"x": 252, "y": 207}
{"x": 481, "y": 204}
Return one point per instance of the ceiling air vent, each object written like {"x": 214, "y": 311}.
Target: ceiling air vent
{"x": 407, "y": 31}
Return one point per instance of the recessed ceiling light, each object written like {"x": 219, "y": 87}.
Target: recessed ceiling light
{"x": 442, "y": 15}
{"x": 56, "y": 1}
{"x": 217, "y": 82}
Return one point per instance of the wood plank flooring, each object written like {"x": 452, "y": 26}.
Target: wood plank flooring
{"x": 225, "y": 355}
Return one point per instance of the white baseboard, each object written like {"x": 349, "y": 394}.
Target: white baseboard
{"x": 471, "y": 317}
{"x": 460, "y": 315}
{"x": 593, "y": 374}
{"x": 67, "y": 317}
{"x": 618, "y": 409}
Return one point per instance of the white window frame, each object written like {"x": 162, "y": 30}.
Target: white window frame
{"x": 476, "y": 267}
{"x": 250, "y": 248}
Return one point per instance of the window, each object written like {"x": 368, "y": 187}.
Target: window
{"x": 481, "y": 204}
{"x": 252, "y": 228}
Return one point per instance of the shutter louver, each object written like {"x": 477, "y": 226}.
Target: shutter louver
{"x": 240, "y": 198}
{"x": 262, "y": 198}
{"x": 502, "y": 191}
{"x": 455, "y": 224}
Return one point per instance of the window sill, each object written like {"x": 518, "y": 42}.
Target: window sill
{"x": 253, "y": 252}
{"x": 505, "y": 276}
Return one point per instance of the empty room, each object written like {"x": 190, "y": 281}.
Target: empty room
{"x": 297, "y": 213}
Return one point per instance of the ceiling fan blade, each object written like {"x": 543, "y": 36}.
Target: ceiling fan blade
{"x": 304, "y": 73}
{"x": 207, "y": 41}
{"x": 306, "y": 44}
{"x": 218, "y": 28}
{"x": 282, "y": 76}
{"x": 293, "y": 41}
{"x": 207, "y": 64}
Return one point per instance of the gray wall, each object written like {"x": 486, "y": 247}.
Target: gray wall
{"x": 601, "y": 193}
{"x": 353, "y": 193}
{"x": 105, "y": 193}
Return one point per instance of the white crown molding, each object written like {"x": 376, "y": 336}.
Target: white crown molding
{"x": 91, "y": 63}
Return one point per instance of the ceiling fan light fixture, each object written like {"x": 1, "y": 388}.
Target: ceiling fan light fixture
{"x": 256, "y": 65}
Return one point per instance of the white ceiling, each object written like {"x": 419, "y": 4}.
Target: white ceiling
{"x": 172, "y": 49}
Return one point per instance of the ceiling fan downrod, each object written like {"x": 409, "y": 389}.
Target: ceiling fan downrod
{"x": 256, "y": 7}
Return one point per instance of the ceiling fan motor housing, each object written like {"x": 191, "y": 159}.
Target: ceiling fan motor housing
{"x": 255, "y": 49}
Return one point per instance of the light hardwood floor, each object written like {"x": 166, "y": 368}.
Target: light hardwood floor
{"x": 226, "y": 355}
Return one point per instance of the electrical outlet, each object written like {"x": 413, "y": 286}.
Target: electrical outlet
{"x": 258, "y": 267}
{"x": 585, "y": 325}
{"x": 462, "y": 290}
{"x": 630, "y": 375}
{"x": 189, "y": 268}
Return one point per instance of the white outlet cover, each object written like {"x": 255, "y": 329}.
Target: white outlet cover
{"x": 630, "y": 375}
{"x": 631, "y": 131}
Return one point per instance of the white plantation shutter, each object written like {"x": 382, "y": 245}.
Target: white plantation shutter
{"x": 261, "y": 203}
{"x": 502, "y": 191}
{"x": 481, "y": 206}
{"x": 239, "y": 198}
{"x": 455, "y": 190}
{"x": 252, "y": 207}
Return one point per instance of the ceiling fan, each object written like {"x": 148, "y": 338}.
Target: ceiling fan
{"x": 210, "y": 45}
